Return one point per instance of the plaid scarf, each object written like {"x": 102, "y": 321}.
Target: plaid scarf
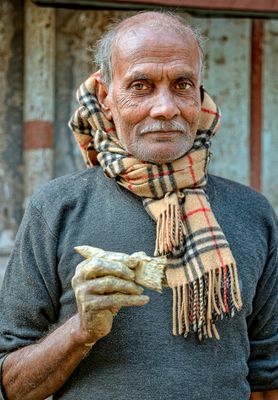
{"x": 201, "y": 269}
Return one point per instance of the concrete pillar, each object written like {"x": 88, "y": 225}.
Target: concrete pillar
{"x": 39, "y": 78}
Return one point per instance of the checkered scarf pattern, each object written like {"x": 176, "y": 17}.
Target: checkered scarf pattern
{"x": 201, "y": 269}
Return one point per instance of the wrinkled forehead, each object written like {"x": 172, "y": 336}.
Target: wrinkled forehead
{"x": 155, "y": 43}
{"x": 150, "y": 35}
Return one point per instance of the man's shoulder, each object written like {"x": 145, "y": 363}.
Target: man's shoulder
{"x": 235, "y": 194}
{"x": 66, "y": 188}
{"x": 228, "y": 184}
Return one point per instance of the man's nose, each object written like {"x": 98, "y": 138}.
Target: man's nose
{"x": 164, "y": 106}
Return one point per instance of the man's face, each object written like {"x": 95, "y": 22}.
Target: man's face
{"x": 154, "y": 99}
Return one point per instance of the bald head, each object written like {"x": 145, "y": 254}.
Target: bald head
{"x": 140, "y": 25}
{"x": 161, "y": 22}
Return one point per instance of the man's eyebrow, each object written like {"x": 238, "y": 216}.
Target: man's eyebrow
{"x": 138, "y": 75}
{"x": 185, "y": 75}
{"x": 134, "y": 75}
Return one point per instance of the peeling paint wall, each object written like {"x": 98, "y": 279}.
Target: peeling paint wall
{"x": 58, "y": 59}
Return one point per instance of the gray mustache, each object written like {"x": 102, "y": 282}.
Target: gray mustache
{"x": 164, "y": 126}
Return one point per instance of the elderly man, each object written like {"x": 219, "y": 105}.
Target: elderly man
{"x": 212, "y": 333}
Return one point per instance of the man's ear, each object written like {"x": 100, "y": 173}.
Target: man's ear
{"x": 102, "y": 96}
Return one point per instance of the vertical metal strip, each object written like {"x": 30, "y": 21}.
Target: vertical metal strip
{"x": 256, "y": 106}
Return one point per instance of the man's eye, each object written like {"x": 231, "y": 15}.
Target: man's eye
{"x": 183, "y": 85}
{"x": 139, "y": 86}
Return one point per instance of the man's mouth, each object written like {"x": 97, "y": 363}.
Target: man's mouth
{"x": 164, "y": 128}
{"x": 164, "y": 135}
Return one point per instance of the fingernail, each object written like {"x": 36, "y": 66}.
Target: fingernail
{"x": 81, "y": 250}
{"x": 146, "y": 299}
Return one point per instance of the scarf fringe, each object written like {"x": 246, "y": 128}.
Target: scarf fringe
{"x": 170, "y": 230}
{"x": 199, "y": 304}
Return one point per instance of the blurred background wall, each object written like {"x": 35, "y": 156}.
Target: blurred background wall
{"x": 45, "y": 55}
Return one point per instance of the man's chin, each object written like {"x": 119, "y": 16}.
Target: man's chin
{"x": 158, "y": 158}
{"x": 164, "y": 154}
{"x": 159, "y": 152}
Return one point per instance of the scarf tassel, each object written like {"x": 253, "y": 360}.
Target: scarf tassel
{"x": 170, "y": 230}
{"x": 199, "y": 304}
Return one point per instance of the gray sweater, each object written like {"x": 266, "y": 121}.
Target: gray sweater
{"x": 140, "y": 359}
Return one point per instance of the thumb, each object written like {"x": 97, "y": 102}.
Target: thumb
{"x": 89, "y": 251}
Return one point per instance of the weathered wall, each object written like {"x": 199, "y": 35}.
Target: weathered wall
{"x": 270, "y": 126}
{"x": 57, "y": 60}
{"x": 227, "y": 79}
{"x": 77, "y": 31}
{"x": 11, "y": 92}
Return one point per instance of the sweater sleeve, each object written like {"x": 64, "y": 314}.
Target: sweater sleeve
{"x": 29, "y": 298}
{"x": 263, "y": 323}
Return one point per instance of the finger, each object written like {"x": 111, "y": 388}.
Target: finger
{"x": 115, "y": 311}
{"x": 78, "y": 276}
{"x": 90, "y": 269}
{"x": 110, "y": 284}
{"x": 100, "y": 267}
{"x": 92, "y": 252}
{"x": 89, "y": 251}
{"x": 101, "y": 302}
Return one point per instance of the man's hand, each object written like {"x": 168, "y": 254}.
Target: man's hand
{"x": 103, "y": 283}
